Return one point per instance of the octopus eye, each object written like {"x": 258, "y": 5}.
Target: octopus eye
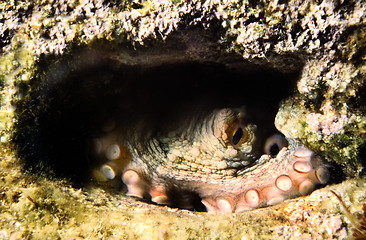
{"x": 274, "y": 144}
{"x": 239, "y": 135}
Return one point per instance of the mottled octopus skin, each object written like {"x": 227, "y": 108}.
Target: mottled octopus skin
{"x": 214, "y": 158}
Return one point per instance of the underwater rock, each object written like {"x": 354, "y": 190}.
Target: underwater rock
{"x": 313, "y": 53}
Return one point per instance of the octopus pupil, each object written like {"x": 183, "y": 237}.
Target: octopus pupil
{"x": 274, "y": 150}
{"x": 237, "y": 136}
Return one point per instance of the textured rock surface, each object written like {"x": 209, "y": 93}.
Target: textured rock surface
{"x": 324, "y": 41}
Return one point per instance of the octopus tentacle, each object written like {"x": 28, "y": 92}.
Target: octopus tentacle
{"x": 286, "y": 176}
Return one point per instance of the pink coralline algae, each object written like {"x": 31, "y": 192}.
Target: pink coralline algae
{"x": 326, "y": 125}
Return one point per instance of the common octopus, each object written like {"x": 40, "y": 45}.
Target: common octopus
{"x": 216, "y": 157}
{"x": 173, "y": 134}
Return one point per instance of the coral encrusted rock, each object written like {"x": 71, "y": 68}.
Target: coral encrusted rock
{"x": 232, "y": 107}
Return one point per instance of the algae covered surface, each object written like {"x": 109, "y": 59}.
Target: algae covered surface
{"x": 321, "y": 45}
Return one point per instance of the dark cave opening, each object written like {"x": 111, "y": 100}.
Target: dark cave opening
{"x": 71, "y": 102}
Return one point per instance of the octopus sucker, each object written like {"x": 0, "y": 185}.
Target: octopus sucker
{"x": 113, "y": 152}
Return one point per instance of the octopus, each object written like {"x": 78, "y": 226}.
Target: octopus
{"x": 201, "y": 143}
{"x": 217, "y": 158}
